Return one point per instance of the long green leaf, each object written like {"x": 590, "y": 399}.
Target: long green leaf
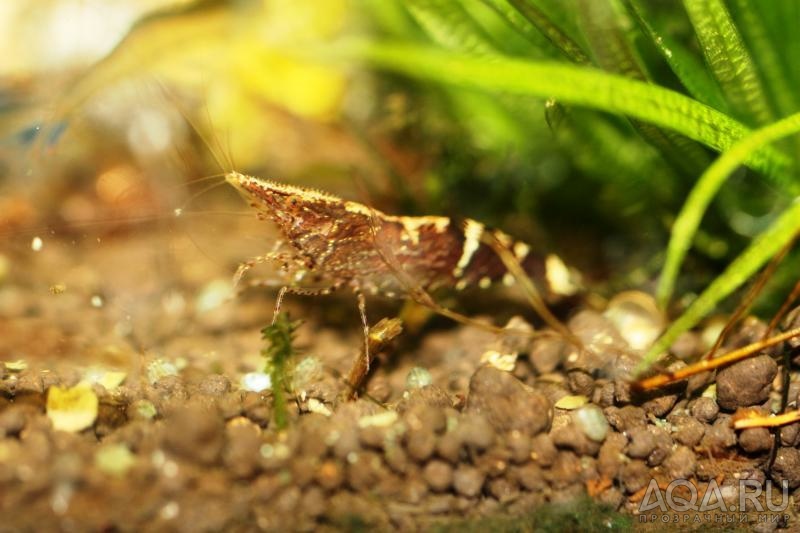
{"x": 577, "y": 86}
{"x": 769, "y": 62}
{"x": 729, "y": 59}
{"x": 606, "y": 27}
{"x": 687, "y": 67}
{"x": 543, "y": 46}
{"x": 449, "y": 24}
{"x": 551, "y": 30}
{"x": 688, "y": 220}
{"x": 764, "y": 247}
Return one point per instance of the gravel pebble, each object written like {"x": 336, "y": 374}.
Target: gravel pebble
{"x": 240, "y": 455}
{"x": 681, "y": 463}
{"x": 565, "y": 471}
{"x": 754, "y": 440}
{"x": 642, "y": 442}
{"x": 635, "y": 475}
{"x": 625, "y": 418}
{"x": 704, "y": 409}
{"x": 746, "y": 383}
{"x": 603, "y": 394}
{"x": 429, "y": 396}
{"x": 660, "y": 406}
{"x": 195, "y": 433}
{"x": 610, "y": 458}
{"x": 581, "y": 383}
{"x": 571, "y": 437}
{"x": 503, "y": 489}
{"x": 13, "y": 419}
{"x": 547, "y": 354}
{"x": 720, "y": 435}
{"x": 507, "y": 403}
{"x": 475, "y": 431}
{"x": 330, "y": 475}
{"x": 215, "y": 385}
{"x": 787, "y": 467}
{"x": 438, "y": 475}
{"x": 449, "y": 446}
{"x": 688, "y": 430}
{"x": 543, "y": 450}
{"x": 790, "y": 435}
{"x": 420, "y": 444}
{"x": 519, "y": 446}
{"x": 530, "y": 476}
{"x": 468, "y": 480}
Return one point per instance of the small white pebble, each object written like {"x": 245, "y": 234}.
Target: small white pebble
{"x": 418, "y": 377}
{"x": 170, "y": 469}
{"x": 36, "y": 244}
{"x": 592, "y": 422}
{"x": 160, "y": 368}
{"x": 316, "y": 406}
{"x": 213, "y": 295}
{"x": 267, "y": 450}
{"x": 384, "y": 419}
{"x": 500, "y": 361}
{"x": 97, "y": 301}
{"x": 256, "y": 382}
{"x": 114, "y": 459}
{"x": 170, "y": 511}
{"x": 178, "y": 211}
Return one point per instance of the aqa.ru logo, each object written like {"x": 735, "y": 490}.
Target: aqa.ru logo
{"x": 681, "y": 496}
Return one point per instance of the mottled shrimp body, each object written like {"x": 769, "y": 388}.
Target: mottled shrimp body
{"x": 333, "y": 243}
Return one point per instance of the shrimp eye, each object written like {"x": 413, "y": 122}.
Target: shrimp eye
{"x": 294, "y": 201}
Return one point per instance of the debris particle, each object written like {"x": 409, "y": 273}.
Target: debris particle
{"x": 169, "y": 511}
{"x": 316, "y": 406}
{"x": 110, "y": 379}
{"x": 501, "y": 361}
{"x": 418, "y": 378}
{"x": 16, "y": 366}
{"x": 97, "y": 301}
{"x": 36, "y": 244}
{"x": 145, "y": 408}
{"x": 213, "y": 295}
{"x": 384, "y": 419}
{"x": 58, "y": 288}
{"x": 114, "y": 459}
{"x": 256, "y": 382}
{"x": 160, "y": 368}
{"x": 72, "y": 409}
{"x": 568, "y": 403}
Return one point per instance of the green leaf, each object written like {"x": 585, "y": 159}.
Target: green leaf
{"x": 580, "y": 86}
{"x": 769, "y": 63}
{"x": 764, "y": 247}
{"x": 686, "y": 66}
{"x": 607, "y": 30}
{"x": 728, "y": 59}
{"x": 551, "y": 30}
{"x": 449, "y": 25}
{"x": 541, "y": 45}
{"x": 688, "y": 220}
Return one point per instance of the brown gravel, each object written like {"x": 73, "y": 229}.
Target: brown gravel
{"x": 197, "y": 452}
{"x": 507, "y": 403}
{"x": 746, "y": 383}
